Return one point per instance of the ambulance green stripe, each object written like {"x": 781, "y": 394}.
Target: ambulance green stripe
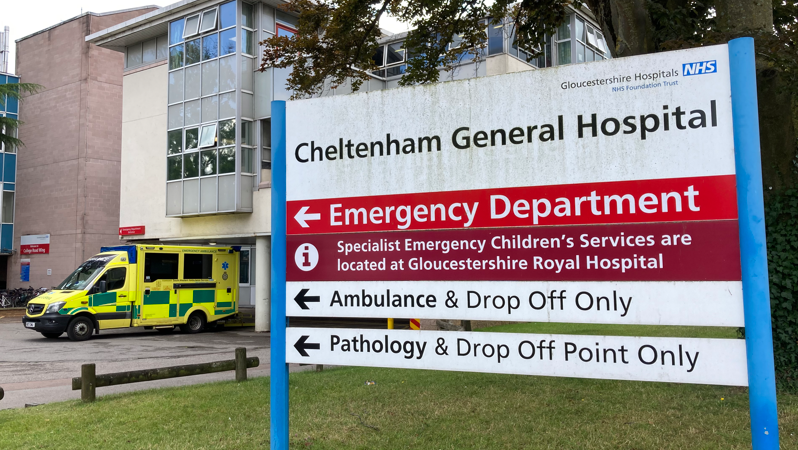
{"x": 157, "y": 298}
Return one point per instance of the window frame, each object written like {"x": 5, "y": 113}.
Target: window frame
{"x": 202, "y": 28}
{"x": 188, "y": 33}
{"x": 213, "y": 126}
{"x": 144, "y": 269}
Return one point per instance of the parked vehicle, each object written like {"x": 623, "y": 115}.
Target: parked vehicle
{"x": 149, "y": 286}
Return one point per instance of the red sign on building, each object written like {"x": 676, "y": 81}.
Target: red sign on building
{"x": 35, "y": 244}
{"x": 130, "y": 231}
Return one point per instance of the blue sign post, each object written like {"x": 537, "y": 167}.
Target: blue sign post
{"x": 279, "y": 368}
{"x": 753, "y": 248}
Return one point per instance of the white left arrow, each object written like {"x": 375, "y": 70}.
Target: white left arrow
{"x": 302, "y": 216}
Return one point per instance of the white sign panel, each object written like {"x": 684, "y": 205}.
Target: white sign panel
{"x": 641, "y": 118}
{"x": 675, "y": 360}
{"x": 658, "y": 303}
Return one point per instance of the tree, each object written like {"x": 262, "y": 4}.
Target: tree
{"x": 8, "y": 126}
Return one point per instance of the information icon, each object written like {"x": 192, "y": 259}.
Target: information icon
{"x": 306, "y": 257}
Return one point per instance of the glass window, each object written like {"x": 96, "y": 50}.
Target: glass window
{"x": 208, "y": 162}
{"x": 192, "y": 138}
{"x": 114, "y": 279}
{"x": 379, "y": 56}
{"x": 192, "y": 112}
{"x": 285, "y": 31}
{"x": 192, "y": 26}
{"x": 227, "y": 73}
{"x": 227, "y": 42}
{"x": 193, "y": 87}
{"x": 160, "y": 266}
{"x": 590, "y": 56}
{"x": 210, "y": 46}
{"x": 8, "y": 207}
{"x": 227, "y": 132}
{"x": 243, "y": 266}
{"x": 85, "y": 273}
{"x": 175, "y": 86}
{"x": 227, "y": 105}
{"x": 602, "y": 46}
{"x": 174, "y": 167}
{"x": 176, "y": 57}
{"x": 591, "y": 37}
{"x": 190, "y": 168}
{"x": 247, "y": 42}
{"x": 207, "y": 135}
{"x": 175, "y": 116}
{"x": 246, "y": 73}
{"x": 580, "y": 29}
{"x": 396, "y": 70}
{"x": 175, "y": 145}
{"x": 580, "y": 52}
{"x": 176, "y": 32}
{"x": 134, "y": 55}
{"x": 149, "y": 51}
{"x": 247, "y": 14}
{"x": 193, "y": 51}
{"x": 161, "y": 48}
{"x": 564, "y": 53}
{"x": 227, "y": 14}
{"x": 564, "y": 31}
{"x": 210, "y": 106}
{"x": 286, "y": 18}
{"x": 208, "y": 21}
{"x": 247, "y": 137}
{"x": 396, "y": 53}
{"x": 197, "y": 267}
{"x": 227, "y": 160}
{"x": 210, "y": 77}
{"x": 495, "y": 38}
{"x": 247, "y": 160}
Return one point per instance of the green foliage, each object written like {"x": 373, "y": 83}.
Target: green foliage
{"x": 8, "y": 126}
{"x": 781, "y": 219}
{"x": 336, "y": 39}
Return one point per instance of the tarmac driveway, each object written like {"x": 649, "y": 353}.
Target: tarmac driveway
{"x": 35, "y": 370}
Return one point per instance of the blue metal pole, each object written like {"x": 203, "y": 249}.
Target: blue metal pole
{"x": 753, "y": 250}
{"x": 279, "y": 368}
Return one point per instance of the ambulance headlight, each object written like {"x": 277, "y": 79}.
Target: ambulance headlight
{"x": 55, "y": 307}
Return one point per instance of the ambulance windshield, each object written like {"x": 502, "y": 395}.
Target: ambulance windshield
{"x": 85, "y": 274}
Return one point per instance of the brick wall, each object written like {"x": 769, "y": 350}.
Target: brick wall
{"x": 69, "y": 169}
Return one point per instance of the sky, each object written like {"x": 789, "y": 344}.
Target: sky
{"x": 27, "y": 18}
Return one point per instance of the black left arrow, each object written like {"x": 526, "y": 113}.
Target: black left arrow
{"x": 301, "y": 299}
{"x": 302, "y": 345}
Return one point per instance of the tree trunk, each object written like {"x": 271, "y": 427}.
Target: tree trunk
{"x": 776, "y": 114}
{"x": 626, "y": 25}
{"x": 740, "y": 16}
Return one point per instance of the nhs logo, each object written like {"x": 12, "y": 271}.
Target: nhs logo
{"x": 699, "y": 68}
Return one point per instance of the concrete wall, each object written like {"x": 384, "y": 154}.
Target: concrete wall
{"x": 143, "y": 192}
{"x": 68, "y": 171}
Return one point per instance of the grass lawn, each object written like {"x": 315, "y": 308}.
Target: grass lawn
{"x": 334, "y": 409}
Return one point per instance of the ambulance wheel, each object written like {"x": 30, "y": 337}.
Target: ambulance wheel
{"x": 194, "y": 324}
{"x": 52, "y": 335}
{"x": 80, "y": 329}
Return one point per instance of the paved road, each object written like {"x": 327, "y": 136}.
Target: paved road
{"x": 36, "y": 370}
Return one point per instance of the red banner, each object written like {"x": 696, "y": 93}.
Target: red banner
{"x": 677, "y": 251}
{"x": 129, "y": 231}
{"x": 34, "y": 249}
{"x": 663, "y": 200}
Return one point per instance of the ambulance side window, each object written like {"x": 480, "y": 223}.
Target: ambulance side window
{"x": 160, "y": 266}
{"x": 197, "y": 267}
{"x": 114, "y": 279}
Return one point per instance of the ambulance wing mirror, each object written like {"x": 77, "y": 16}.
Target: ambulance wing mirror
{"x": 101, "y": 287}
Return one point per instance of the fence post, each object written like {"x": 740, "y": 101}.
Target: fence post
{"x": 241, "y": 364}
{"x": 88, "y": 381}
{"x": 2, "y": 394}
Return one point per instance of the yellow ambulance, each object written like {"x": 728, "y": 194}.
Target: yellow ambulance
{"x": 151, "y": 286}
